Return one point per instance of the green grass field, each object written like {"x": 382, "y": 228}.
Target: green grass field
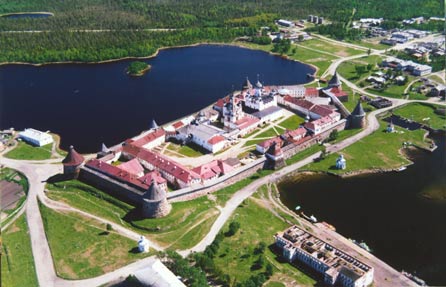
{"x": 380, "y": 150}
{"x": 367, "y": 44}
{"x": 420, "y": 111}
{"x": 17, "y": 259}
{"x": 184, "y": 227}
{"x": 348, "y": 71}
{"x": 172, "y": 229}
{"x": 26, "y": 151}
{"x": 82, "y": 249}
{"x": 185, "y": 150}
{"x": 331, "y": 48}
{"x": 320, "y": 60}
{"x": 236, "y": 253}
{"x": 303, "y": 154}
{"x": 392, "y": 91}
{"x": 292, "y": 122}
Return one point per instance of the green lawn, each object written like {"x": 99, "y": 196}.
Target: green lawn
{"x": 348, "y": 71}
{"x": 331, "y": 48}
{"x": 392, "y": 91}
{"x": 236, "y": 256}
{"x": 269, "y": 133}
{"x": 26, "y": 151}
{"x": 320, "y": 60}
{"x": 420, "y": 111}
{"x": 303, "y": 154}
{"x": 82, "y": 249}
{"x": 166, "y": 231}
{"x": 186, "y": 150}
{"x": 380, "y": 150}
{"x": 367, "y": 44}
{"x": 17, "y": 259}
{"x": 292, "y": 122}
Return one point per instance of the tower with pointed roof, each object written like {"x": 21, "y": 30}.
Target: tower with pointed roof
{"x": 334, "y": 81}
{"x": 72, "y": 162}
{"x": 153, "y": 125}
{"x": 357, "y": 117}
{"x": 155, "y": 203}
{"x": 246, "y": 84}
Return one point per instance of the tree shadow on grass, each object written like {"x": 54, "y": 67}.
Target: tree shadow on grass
{"x": 134, "y": 250}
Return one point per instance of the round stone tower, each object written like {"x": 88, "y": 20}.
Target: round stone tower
{"x": 357, "y": 117}
{"x": 72, "y": 162}
{"x": 155, "y": 202}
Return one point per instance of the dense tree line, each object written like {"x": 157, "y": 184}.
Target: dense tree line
{"x": 91, "y": 47}
{"x": 204, "y": 20}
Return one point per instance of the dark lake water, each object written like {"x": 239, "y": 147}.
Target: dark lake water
{"x": 404, "y": 229}
{"x": 91, "y": 104}
{"x": 27, "y": 15}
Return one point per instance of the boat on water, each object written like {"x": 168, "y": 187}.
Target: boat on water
{"x": 309, "y": 218}
{"x": 297, "y": 207}
{"x": 414, "y": 278}
{"x": 401, "y": 168}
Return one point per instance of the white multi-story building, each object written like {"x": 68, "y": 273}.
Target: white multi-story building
{"x": 336, "y": 266}
{"x": 36, "y": 137}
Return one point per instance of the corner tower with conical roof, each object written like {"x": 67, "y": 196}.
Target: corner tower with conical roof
{"x": 72, "y": 162}
{"x": 334, "y": 81}
{"x": 247, "y": 84}
{"x": 357, "y": 117}
{"x": 155, "y": 202}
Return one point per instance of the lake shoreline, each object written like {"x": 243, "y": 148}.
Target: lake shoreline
{"x": 155, "y": 54}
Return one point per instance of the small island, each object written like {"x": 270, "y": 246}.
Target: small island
{"x": 138, "y": 68}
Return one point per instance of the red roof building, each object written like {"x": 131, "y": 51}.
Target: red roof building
{"x": 174, "y": 172}
{"x": 142, "y": 183}
{"x": 295, "y": 135}
{"x": 311, "y": 92}
{"x": 149, "y": 140}
{"x": 213, "y": 169}
{"x": 216, "y": 139}
{"x": 133, "y": 167}
{"x": 265, "y": 145}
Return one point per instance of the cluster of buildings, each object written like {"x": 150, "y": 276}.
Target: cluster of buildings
{"x": 425, "y": 49}
{"x": 408, "y": 66}
{"x": 337, "y": 267}
{"x": 430, "y": 88}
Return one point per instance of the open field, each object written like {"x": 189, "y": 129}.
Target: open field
{"x": 369, "y": 44}
{"x": 28, "y": 152}
{"x": 380, "y": 150}
{"x": 330, "y": 47}
{"x": 236, "y": 255}
{"x": 321, "y": 60}
{"x": 422, "y": 113}
{"x": 82, "y": 248}
{"x": 348, "y": 71}
{"x": 184, "y": 227}
{"x": 185, "y": 150}
{"x": 17, "y": 259}
{"x": 173, "y": 228}
{"x": 292, "y": 122}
